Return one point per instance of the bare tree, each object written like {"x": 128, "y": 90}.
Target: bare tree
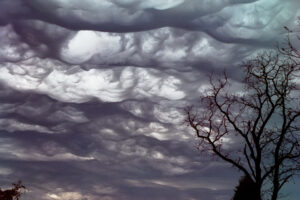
{"x": 263, "y": 120}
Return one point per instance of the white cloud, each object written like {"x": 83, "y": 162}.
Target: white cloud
{"x": 160, "y": 5}
{"x": 48, "y": 152}
{"x": 12, "y": 125}
{"x": 155, "y": 130}
{"x": 67, "y": 196}
{"x": 12, "y": 49}
{"x": 80, "y": 86}
{"x": 68, "y": 114}
{"x": 170, "y": 112}
{"x": 86, "y": 44}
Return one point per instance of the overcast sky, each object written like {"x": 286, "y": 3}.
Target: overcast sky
{"x": 92, "y": 93}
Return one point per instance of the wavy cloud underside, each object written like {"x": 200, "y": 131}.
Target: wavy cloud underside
{"x": 92, "y": 92}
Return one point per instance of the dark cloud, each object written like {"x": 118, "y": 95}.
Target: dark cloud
{"x": 131, "y": 16}
{"x": 92, "y": 93}
{"x": 110, "y": 147}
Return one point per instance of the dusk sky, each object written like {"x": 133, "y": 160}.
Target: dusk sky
{"x": 92, "y": 93}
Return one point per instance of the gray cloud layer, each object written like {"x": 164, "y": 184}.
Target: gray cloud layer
{"x": 92, "y": 92}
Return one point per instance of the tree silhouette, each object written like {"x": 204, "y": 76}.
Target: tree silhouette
{"x": 246, "y": 190}
{"x": 14, "y": 193}
{"x": 262, "y": 120}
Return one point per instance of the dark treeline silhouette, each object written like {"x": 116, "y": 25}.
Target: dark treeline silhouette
{"x": 13, "y": 193}
{"x": 246, "y": 190}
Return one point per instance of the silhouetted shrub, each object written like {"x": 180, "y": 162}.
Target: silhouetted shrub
{"x": 14, "y": 193}
{"x": 246, "y": 190}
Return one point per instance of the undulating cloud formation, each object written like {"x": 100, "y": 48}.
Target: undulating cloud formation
{"x": 92, "y": 92}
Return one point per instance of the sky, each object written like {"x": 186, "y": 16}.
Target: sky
{"x": 92, "y": 93}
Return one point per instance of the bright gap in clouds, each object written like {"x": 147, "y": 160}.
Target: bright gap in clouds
{"x": 85, "y": 44}
{"x": 81, "y": 47}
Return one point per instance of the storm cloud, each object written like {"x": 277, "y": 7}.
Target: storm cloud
{"x": 92, "y": 92}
